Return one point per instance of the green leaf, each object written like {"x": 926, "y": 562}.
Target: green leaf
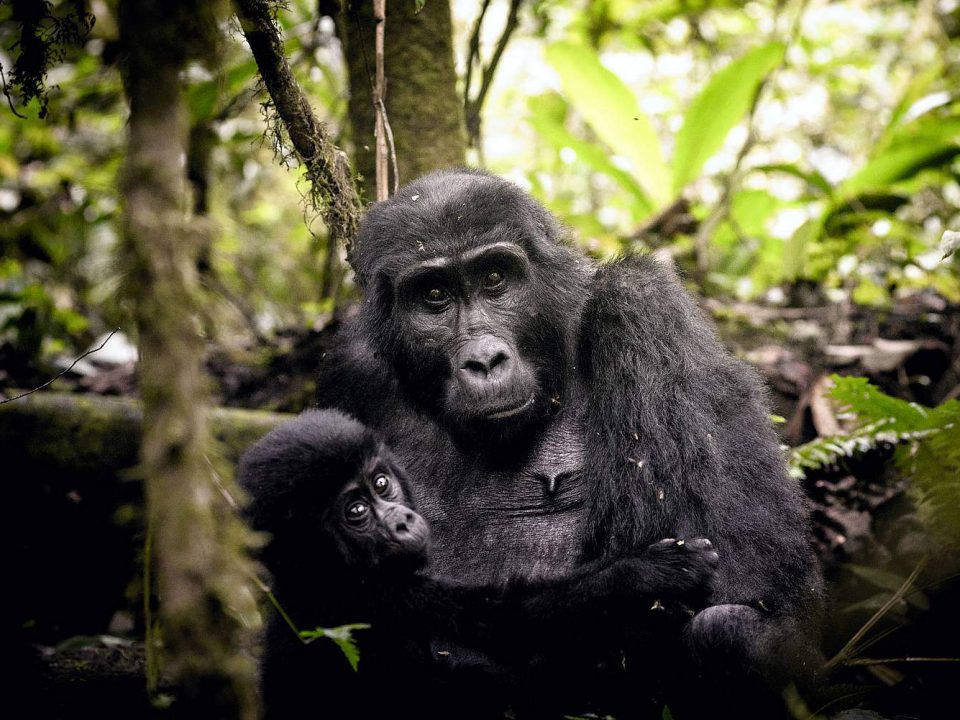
{"x": 718, "y": 108}
{"x": 927, "y": 444}
{"x": 342, "y": 636}
{"x": 916, "y": 89}
{"x": 888, "y": 581}
{"x": 900, "y": 162}
{"x": 814, "y": 179}
{"x": 752, "y": 210}
{"x": 559, "y": 137}
{"x": 870, "y": 294}
{"x": 880, "y": 578}
{"x": 611, "y": 110}
{"x": 872, "y": 405}
{"x": 796, "y": 247}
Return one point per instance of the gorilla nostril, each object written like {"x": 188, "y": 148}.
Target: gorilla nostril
{"x": 484, "y": 367}
{"x": 475, "y": 367}
{"x": 499, "y": 359}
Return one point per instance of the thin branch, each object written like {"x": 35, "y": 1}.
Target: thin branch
{"x": 851, "y": 645}
{"x": 473, "y": 107}
{"x": 883, "y": 634}
{"x": 327, "y": 167}
{"x": 393, "y": 148}
{"x": 377, "y": 94}
{"x": 380, "y": 132}
{"x": 888, "y": 661}
{"x": 63, "y": 372}
{"x": 6, "y": 93}
{"x": 473, "y": 52}
{"x": 490, "y": 69}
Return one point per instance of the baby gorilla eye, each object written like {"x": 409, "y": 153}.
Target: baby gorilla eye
{"x": 493, "y": 279}
{"x": 357, "y": 511}
{"x": 381, "y": 483}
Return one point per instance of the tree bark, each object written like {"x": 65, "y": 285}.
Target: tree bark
{"x": 199, "y": 542}
{"x": 423, "y": 106}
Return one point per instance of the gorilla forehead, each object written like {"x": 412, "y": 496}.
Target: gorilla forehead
{"x": 444, "y": 214}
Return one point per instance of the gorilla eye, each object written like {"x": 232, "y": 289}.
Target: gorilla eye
{"x": 493, "y": 279}
{"x": 381, "y": 483}
{"x": 436, "y": 296}
{"x": 357, "y": 511}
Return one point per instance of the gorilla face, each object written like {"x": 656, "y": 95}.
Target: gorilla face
{"x": 334, "y": 497}
{"x": 461, "y": 270}
{"x": 374, "y": 523}
{"x": 466, "y": 317}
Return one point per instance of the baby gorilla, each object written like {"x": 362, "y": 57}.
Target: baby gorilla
{"x": 347, "y": 545}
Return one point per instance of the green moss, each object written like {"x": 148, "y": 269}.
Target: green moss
{"x": 424, "y": 109}
{"x": 95, "y": 434}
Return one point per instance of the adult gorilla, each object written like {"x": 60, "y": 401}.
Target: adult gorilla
{"x": 554, "y": 411}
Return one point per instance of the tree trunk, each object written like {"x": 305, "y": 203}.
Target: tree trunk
{"x": 199, "y": 545}
{"x": 423, "y": 106}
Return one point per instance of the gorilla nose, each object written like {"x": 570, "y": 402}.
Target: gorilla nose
{"x": 402, "y": 522}
{"x": 486, "y": 358}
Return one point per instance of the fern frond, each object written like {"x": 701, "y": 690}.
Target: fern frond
{"x": 927, "y": 442}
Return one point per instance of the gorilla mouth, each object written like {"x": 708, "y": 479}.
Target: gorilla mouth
{"x": 510, "y": 411}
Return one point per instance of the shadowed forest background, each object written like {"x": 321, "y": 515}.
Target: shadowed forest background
{"x": 180, "y": 181}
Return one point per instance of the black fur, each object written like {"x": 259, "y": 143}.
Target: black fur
{"x": 642, "y": 428}
{"x": 329, "y": 571}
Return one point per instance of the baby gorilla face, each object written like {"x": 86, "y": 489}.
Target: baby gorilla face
{"x": 377, "y": 526}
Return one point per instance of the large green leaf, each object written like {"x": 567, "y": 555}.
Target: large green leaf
{"x": 900, "y": 162}
{"x": 814, "y": 180}
{"x": 915, "y": 91}
{"x": 718, "y": 108}
{"x": 795, "y": 250}
{"x": 929, "y": 141}
{"x": 554, "y": 133}
{"x": 611, "y": 109}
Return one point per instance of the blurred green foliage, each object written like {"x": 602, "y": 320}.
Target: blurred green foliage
{"x": 812, "y": 142}
{"x": 60, "y": 206}
{"x": 816, "y": 141}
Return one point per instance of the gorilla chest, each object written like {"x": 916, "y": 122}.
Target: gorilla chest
{"x": 524, "y": 520}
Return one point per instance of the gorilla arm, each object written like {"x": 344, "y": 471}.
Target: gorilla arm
{"x": 680, "y": 445}
{"x": 593, "y": 604}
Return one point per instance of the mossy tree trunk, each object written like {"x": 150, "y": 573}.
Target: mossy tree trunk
{"x": 423, "y": 106}
{"x": 199, "y": 544}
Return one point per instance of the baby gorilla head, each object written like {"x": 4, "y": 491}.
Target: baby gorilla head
{"x": 327, "y": 490}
